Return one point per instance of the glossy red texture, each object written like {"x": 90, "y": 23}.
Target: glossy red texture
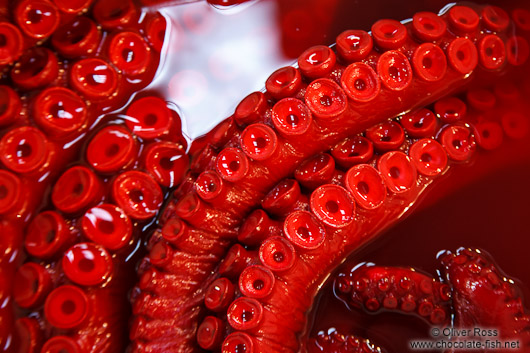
{"x": 87, "y": 264}
{"x": 149, "y": 117}
{"x": 291, "y": 117}
{"x": 256, "y": 282}
{"x": 354, "y": 44}
{"x": 245, "y": 313}
{"x": 111, "y": 149}
{"x": 80, "y": 37}
{"x": 491, "y": 52}
{"x": 184, "y": 247}
{"x": 353, "y": 151}
{"x": 419, "y": 123}
{"x": 137, "y": 194}
{"x": 259, "y": 141}
{"x": 10, "y": 191}
{"x": 428, "y": 156}
{"x": 33, "y": 284}
{"x": 74, "y": 6}
{"x": 37, "y": 18}
{"x": 251, "y": 108}
{"x": 94, "y": 78}
{"x": 24, "y": 149}
{"x": 46, "y": 235}
{"x": 60, "y": 112}
{"x": 463, "y": 19}
{"x": 10, "y": 105}
{"x": 283, "y": 82}
{"x": 428, "y": 26}
{"x": 304, "y": 230}
{"x": 399, "y": 174}
{"x": 450, "y": 110}
{"x": 317, "y": 61}
{"x": 386, "y": 136}
{"x": 366, "y": 185}
{"x": 389, "y": 34}
{"x": 129, "y": 52}
{"x": 462, "y": 55}
{"x": 59, "y": 344}
{"x": 37, "y": 67}
{"x": 483, "y": 295}
{"x": 166, "y": 162}
{"x": 396, "y": 289}
{"x": 282, "y": 198}
{"x": 333, "y": 205}
{"x": 333, "y": 341}
{"x": 107, "y": 225}
{"x": 429, "y": 62}
{"x": 210, "y": 332}
{"x": 394, "y": 70}
{"x": 257, "y": 227}
{"x": 489, "y": 135}
{"x": 114, "y": 13}
{"x": 325, "y": 99}
{"x": 360, "y": 82}
{"x": 318, "y": 170}
{"x": 12, "y": 49}
{"x": 458, "y": 141}
{"x": 232, "y": 164}
{"x": 29, "y": 333}
{"x": 66, "y": 307}
{"x": 219, "y": 294}
{"x": 278, "y": 254}
{"x": 495, "y": 18}
{"x": 76, "y": 190}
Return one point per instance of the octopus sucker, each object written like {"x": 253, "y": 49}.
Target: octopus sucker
{"x": 402, "y": 91}
{"x": 121, "y": 234}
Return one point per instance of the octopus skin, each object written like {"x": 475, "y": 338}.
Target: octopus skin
{"x": 283, "y": 160}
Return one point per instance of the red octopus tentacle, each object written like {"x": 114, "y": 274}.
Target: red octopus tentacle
{"x": 251, "y": 164}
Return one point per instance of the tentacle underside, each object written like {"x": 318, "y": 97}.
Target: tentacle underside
{"x": 302, "y": 175}
{"x": 481, "y": 300}
{"x": 485, "y": 298}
